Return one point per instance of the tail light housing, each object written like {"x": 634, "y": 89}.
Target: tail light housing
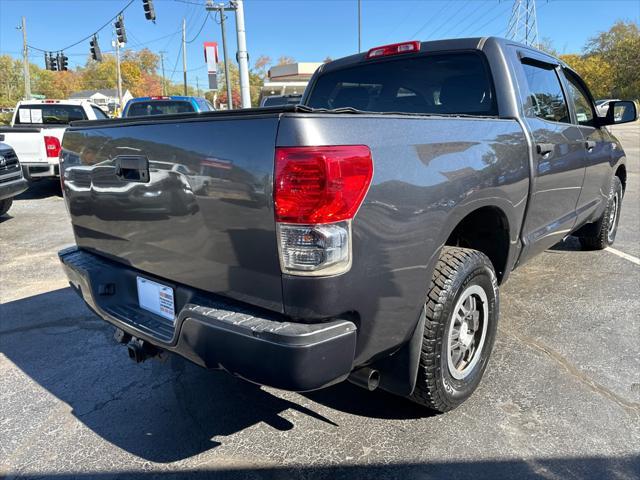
{"x": 317, "y": 192}
{"x": 52, "y": 146}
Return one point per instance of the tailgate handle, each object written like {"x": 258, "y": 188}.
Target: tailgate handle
{"x": 133, "y": 168}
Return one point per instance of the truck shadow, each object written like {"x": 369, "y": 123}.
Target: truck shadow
{"x": 40, "y": 189}
{"x": 159, "y": 411}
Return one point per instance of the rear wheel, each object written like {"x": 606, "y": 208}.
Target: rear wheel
{"x": 604, "y": 232}
{"x": 460, "y": 327}
{"x": 5, "y": 205}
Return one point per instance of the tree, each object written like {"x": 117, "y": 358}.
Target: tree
{"x": 620, "y": 47}
{"x": 595, "y": 71}
{"x": 11, "y": 81}
{"x": 284, "y": 60}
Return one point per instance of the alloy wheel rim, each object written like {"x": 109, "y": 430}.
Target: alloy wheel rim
{"x": 467, "y": 332}
{"x": 613, "y": 217}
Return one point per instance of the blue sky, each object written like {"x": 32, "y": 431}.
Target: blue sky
{"x": 307, "y": 30}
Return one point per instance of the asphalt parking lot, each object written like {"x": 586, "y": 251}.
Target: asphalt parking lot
{"x": 561, "y": 397}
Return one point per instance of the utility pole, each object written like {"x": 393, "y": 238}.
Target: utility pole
{"x": 243, "y": 56}
{"x": 118, "y": 73}
{"x": 184, "y": 54}
{"x": 198, "y": 86}
{"x": 164, "y": 86}
{"x": 359, "y": 26}
{"x": 25, "y": 55}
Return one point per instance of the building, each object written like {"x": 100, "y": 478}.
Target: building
{"x": 106, "y": 98}
{"x": 288, "y": 79}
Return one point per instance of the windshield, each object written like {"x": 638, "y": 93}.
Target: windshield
{"x": 49, "y": 114}
{"x": 159, "y": 107}
{"x": 453, "y": 83}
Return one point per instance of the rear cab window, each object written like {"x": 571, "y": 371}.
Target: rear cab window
{"x": 49, "y": 114}
{"x": 159, "y": 107}
{"x": 435, "y": 83}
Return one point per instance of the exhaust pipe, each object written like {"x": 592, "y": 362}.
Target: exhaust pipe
{"x": 139, "y": 350}
{"x": 366, "y": 378}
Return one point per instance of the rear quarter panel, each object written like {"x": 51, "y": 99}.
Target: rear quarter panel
{"x": 429, "y": 173}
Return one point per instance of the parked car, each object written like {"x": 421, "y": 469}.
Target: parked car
{"x": 277, "y": 100}
{"x": 12, "y": 182}
{"x": 163, "y": 105}
{"x": 602, "y": 106}
{"x": 394, "y": 203}
{"x": 36, "y": 132}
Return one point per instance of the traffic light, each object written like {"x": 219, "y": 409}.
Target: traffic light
{"x": 96, "y": 54}
{"x": 120, "y": 33}
{"x": 63, "y": 62}
{"x": 149, "y": 11}
{"x": 47, "y": 61}
{"x": 53, "y": 61}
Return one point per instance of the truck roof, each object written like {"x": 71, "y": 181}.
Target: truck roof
{"x": 53, "y": 100}
{"x": 471, "y": 43}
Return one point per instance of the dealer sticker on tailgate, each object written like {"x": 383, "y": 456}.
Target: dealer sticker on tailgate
{"x": 156, "y": 298}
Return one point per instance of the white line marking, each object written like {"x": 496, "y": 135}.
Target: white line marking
{"x": 626, "y": 256}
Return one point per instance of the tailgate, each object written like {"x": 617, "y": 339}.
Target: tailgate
{"x": 28, "y": 143}
{"x": 188, "y": 201}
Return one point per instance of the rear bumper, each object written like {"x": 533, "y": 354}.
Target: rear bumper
{"x": 40, "y": 170}
{"x": 12, "y": 188}
{"x": 214, "y": 332}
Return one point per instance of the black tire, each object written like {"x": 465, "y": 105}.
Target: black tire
{"x": 603, "y": 233}
{"x": 457, "y": 271}
{"x": 5, "y": 205}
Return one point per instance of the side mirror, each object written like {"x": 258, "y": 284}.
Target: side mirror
{"x": 620, "y": 111}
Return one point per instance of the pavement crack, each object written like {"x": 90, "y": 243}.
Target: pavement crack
{"x": 631, "y": 407}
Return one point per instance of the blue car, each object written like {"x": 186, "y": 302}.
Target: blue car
{"x": 144, "y": 106}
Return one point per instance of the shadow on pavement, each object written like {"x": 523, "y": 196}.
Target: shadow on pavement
{"x": 565, "y": 468}
{"x": 161, "y": 412}
{"x": 41, "y": 189}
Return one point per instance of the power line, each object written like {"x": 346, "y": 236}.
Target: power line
{"x": 424, "y": 25}
{"x": 201, "y": 27}
{"x": 88, "y": 36}
{"x": 455, "y": 25}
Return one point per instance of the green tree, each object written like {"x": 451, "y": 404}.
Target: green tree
{"x": 595, "y": 71}
{"x": 620, "y": 47}
{"x": 11, "y": 81}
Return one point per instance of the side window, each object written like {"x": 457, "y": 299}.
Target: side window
{"x": 546, "y": 99}
{"x": 581, "y": 102}
{"x": 98, "y": 113}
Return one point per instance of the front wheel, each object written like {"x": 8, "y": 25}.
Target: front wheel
{"x": 460, "y": 328}
{"x": 604, "y": 232}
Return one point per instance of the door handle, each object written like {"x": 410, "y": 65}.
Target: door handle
{"x": 590, "y": 144}
{"x": 544, "y": 148}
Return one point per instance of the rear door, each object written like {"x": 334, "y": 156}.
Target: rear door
{"x": 558, "y": 156}
{"x": 187, "y": 201}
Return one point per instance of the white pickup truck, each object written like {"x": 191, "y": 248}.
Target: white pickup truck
{"x": 36, "y": 132}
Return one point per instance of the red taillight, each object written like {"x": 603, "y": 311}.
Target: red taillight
{"x": 159, "y": 98}
{"x": 52, "y": 146}
{"x": 394, "y": 49}
{"x": 321, "y": 184}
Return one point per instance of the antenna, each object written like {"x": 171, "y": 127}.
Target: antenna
{"x": 523, "y": 24}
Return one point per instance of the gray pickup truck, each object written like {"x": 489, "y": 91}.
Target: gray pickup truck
{"x": 361, "y": 235}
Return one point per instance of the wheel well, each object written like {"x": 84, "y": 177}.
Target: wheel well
{"x": 621, "y": 173}
{"x": 486, "y": 230}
